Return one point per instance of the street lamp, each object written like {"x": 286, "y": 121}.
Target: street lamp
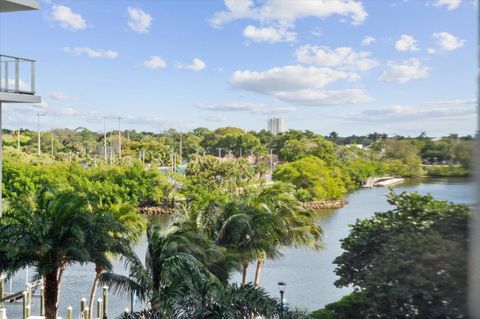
{"x": 281, "y": 287}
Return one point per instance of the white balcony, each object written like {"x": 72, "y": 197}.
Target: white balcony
{"x": 17, "y": 80}
{"x": 18, "y": 5}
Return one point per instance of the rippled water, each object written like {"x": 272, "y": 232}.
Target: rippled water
{"x": 309, "y": 274}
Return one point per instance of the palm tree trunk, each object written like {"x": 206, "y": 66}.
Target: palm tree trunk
{"x": 51, "y": 294}
{"x": 59, "y": 280}
{"x": 98, "y": 272}
{"x": 257, "y": 271}
{"x": 244, "y": 273}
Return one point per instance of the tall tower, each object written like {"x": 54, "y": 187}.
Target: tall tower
{"x": 276, "y": 125}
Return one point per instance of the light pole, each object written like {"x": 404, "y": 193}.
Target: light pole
{"x": 271, "y": 163}
{"x": 119, "y": 139}
{"x": 281, "y": 287}
{"x": 18, "y": 134}
{"x": 38, "y": 131}
{"x": 105, "y": 139}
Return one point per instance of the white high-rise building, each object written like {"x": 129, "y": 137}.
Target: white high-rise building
{"x": 276, "y": 125}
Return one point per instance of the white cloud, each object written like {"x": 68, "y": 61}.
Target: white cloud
{"x": 229, "y": 107}
{"x": 452, "y": 102}
{"x": 368, "y": 40}
{"x": 395, "y": 113}
{"x": 92, "y": 53}
{"x": 339, "y": 57}
{"x": 268, "y": 34}
{"x": 66, "y": 111}
{"x": 255, "y": 108}
{"x": 317, "y": 32}
{"x": 22, "y": 85}
{"x": 288, "y": 78}
{"x": 215, "y": 118}
{"x": 68, "y": 19}
{"x": 405, "y": 71}
{"x": 197, "y": 65}
{"x": 60, "y": 96}
{"x": 431, "y": 50}
{"x": 139, "y": 20}
{"x": 447, "y": 41}
{"x": 284, "y": 13}
{"x": 309, "y": 97}
{"x": 300, "y": 85}
{"x": 278, "y": 17}
{"x": 406, "y": 43}
{"x": 155, "y": 62}
{"x": 42, "y": 105}
{"x": 450, "y": 4}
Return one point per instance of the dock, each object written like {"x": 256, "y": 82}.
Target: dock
{"x": 384, "y": 181}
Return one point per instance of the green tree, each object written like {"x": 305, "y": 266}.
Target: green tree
{"x": 351, "y": 306}
{"x": 113, "y": 231}
{"x": 174, "y": 262}
{"x": 314, "y": 179}
{"x": 47, "y": 234}
{"x": 410, "y": 261}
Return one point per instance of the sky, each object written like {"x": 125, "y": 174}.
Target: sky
{"x": 353, "y": 67}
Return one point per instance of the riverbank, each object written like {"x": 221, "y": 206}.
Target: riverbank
{"x": 326, "y": 204}
{"x": 445, "y": 171}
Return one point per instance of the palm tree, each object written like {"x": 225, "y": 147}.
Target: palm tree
{"x": 255, "y": 224}
{"x": 245, "y": 231}
{"x": 173, "y": 263}
{"x": 46, "y": 234}
{"x": 115, "y": 228}
{"x": 293, "y": 224}
{"x": 213, "y": 301}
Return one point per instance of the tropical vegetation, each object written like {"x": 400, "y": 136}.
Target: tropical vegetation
{"x": 238, "y": 199}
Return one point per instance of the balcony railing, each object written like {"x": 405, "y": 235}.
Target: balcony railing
{"x": 17, "y": 75}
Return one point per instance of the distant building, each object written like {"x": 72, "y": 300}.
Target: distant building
{"x": 276, "y": 125}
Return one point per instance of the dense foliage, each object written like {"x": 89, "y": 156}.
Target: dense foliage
{"x": 158, "y": 148}
{"x": 175, "y": 281}
{"x": 76, "y": 203}
{"x": 103, "y": 184}
{"x": 410, "y": 261}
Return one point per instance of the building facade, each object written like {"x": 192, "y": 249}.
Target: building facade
{"x": 276, "y": 125}
{"x": 17, "y": 85}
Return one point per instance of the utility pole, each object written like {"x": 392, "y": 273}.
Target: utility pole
{"x": 105, "y": 139}
{"x": 18, "y": 139}
{"x": 38, "y": 131}
{"x": 119, "y": 139}
{"x": 18, "y": 134}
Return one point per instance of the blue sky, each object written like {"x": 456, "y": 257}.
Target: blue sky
{"x": 354, "y": 67}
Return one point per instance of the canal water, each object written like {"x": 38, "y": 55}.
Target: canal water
{"x": 309, "y": 275}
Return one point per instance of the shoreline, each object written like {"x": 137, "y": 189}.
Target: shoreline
{"x": 326, "y": 204}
